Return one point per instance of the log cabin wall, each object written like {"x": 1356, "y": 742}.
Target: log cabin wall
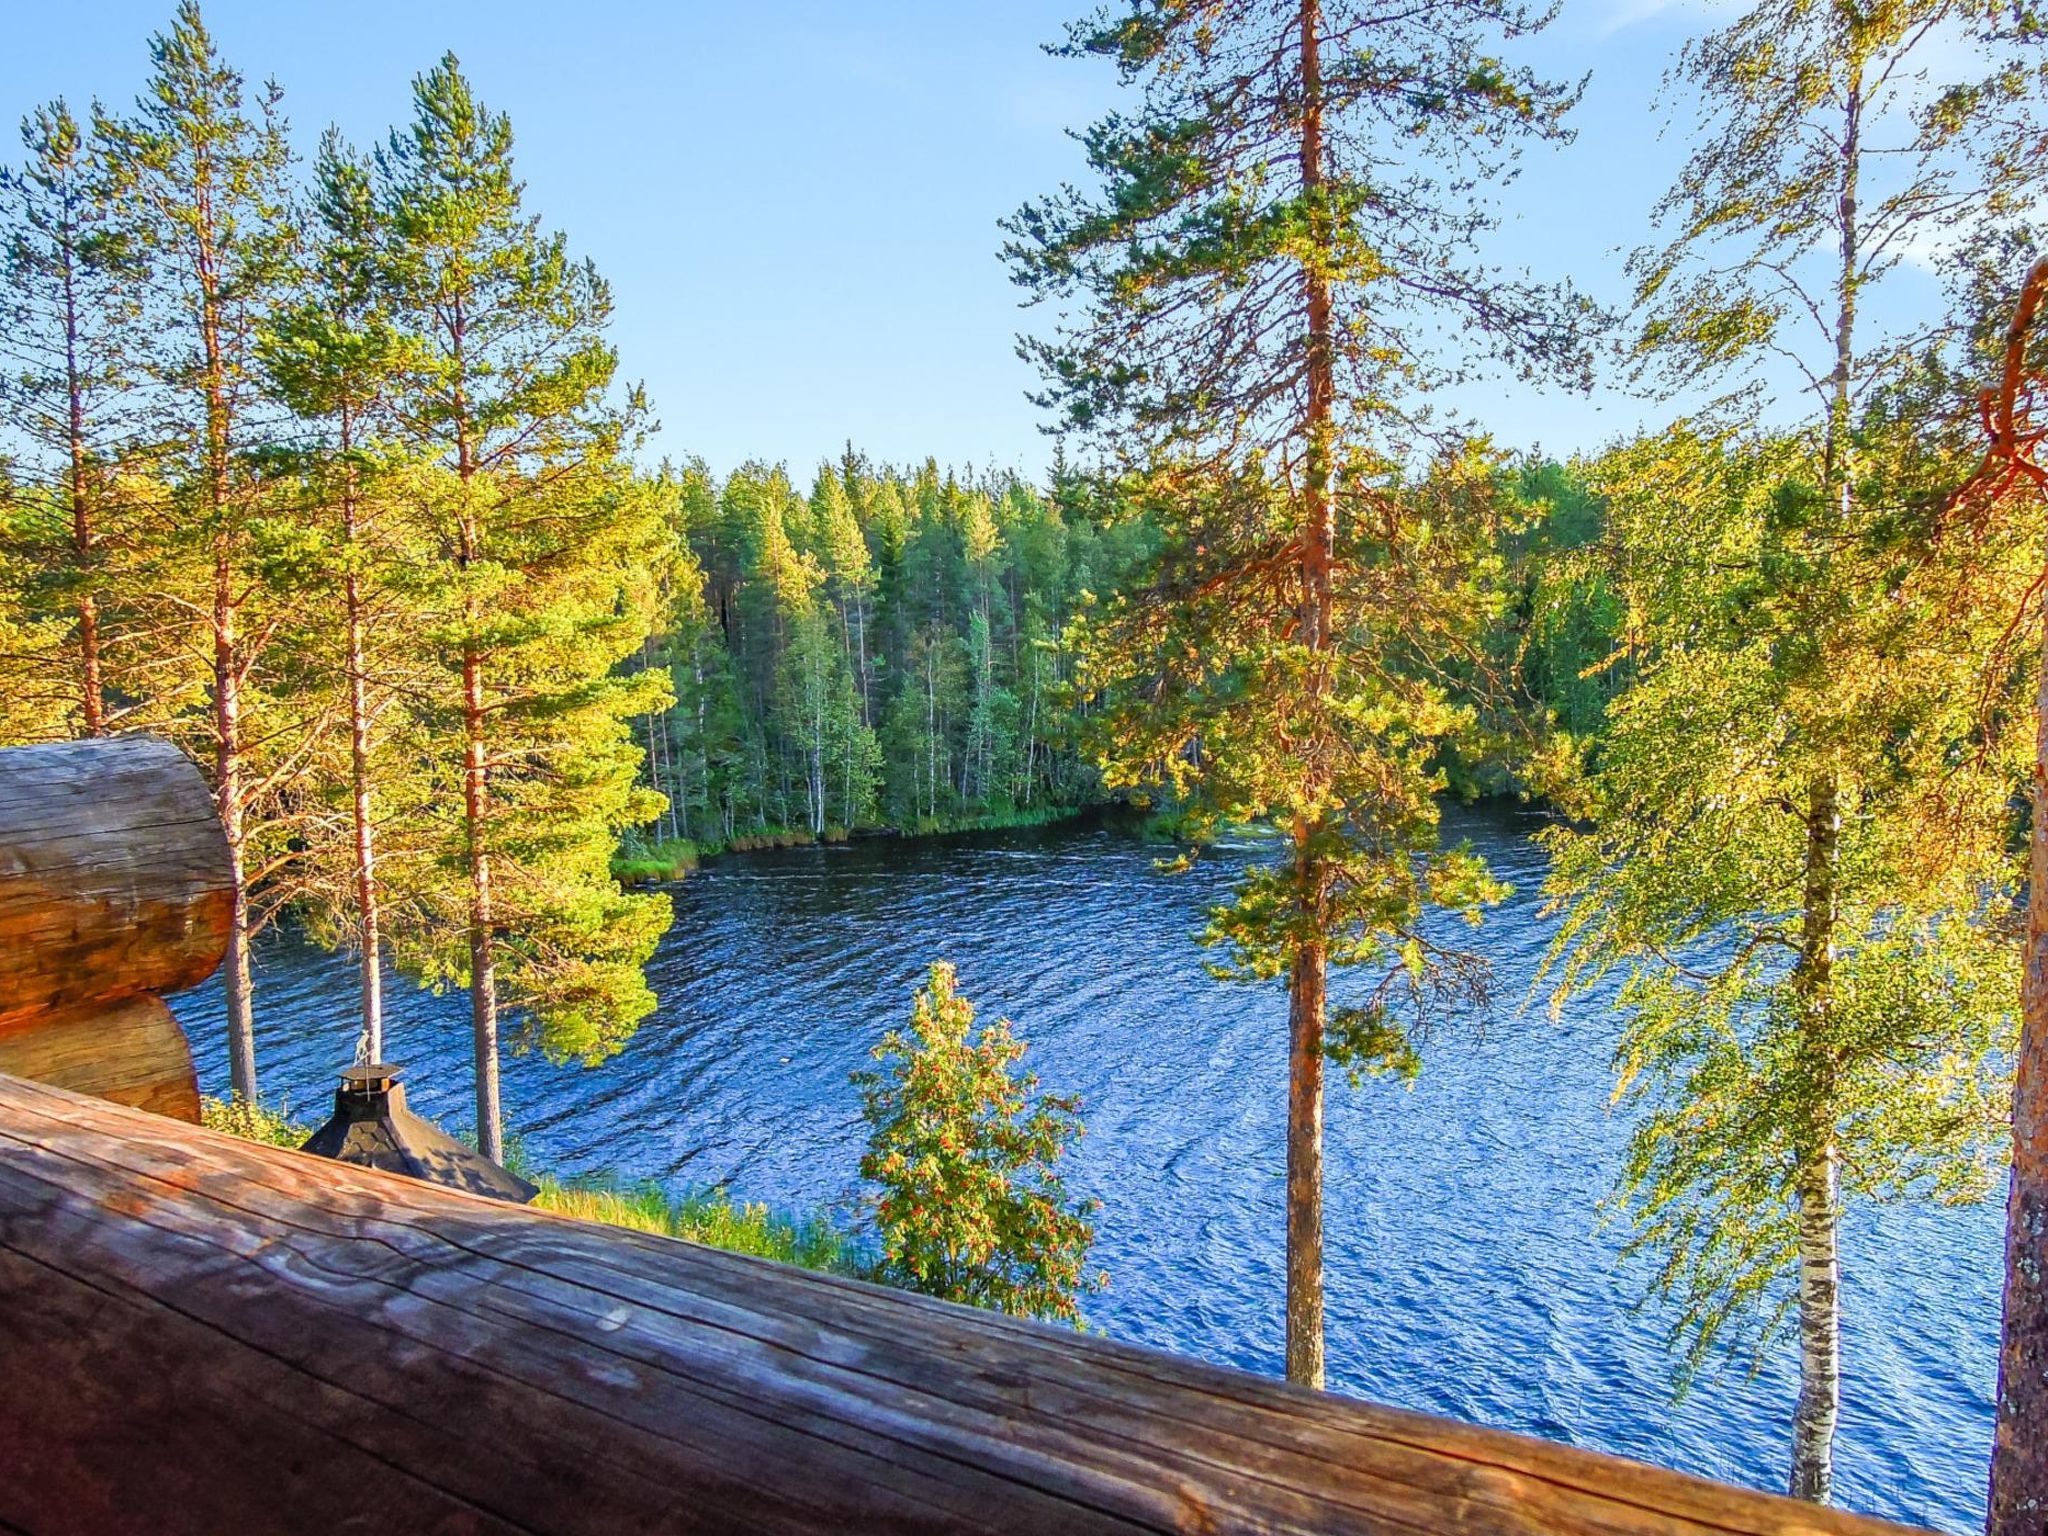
{"x": 113, "y": 891}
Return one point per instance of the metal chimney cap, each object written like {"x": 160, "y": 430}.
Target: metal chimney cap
{"x": 366, "y": 1076}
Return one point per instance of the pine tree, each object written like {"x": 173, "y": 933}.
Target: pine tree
{"x": 72, "y": 290}
{"x": 208, "y": 186}
{"x": 334, "y": 359}
{"x": 1256, "y": 293}
{"x": 547, "y": 548}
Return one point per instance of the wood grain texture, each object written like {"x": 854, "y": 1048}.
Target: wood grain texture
{"x": 205, "y": 1335}
{"x": 129, "y": 1052}
{"x": 113, "y": 874}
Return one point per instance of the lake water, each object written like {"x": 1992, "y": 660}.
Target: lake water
{"x": 1469, "y": 1272}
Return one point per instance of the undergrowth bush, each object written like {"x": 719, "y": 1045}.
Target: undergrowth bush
{"x": 253, "y": 1121}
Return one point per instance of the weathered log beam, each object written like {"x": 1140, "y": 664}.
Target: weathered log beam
{"x": 128, "y": 1052}
{"x": 203, "y": 1335}
{"x": 113, "y": 874}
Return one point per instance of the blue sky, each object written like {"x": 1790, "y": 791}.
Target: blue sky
{"x": 796, "y": 203}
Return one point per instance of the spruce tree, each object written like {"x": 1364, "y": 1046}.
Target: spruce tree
{"x": 1286, "y": 220}
{"x": 843, "y": 551}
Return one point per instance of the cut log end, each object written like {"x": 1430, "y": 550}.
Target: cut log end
{"x": 129, "y": 1052}
{"x": 115, "y": 888}
{"x": 114, "y": 874}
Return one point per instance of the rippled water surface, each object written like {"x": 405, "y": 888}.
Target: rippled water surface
{"x": 1469, "y": 1273}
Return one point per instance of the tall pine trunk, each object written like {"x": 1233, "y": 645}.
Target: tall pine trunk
{"x": 370, "y": 1042}
{"x": 227, "y": 663}
{"x": 92, "y": 694}
{"x": 1309, "y": 964}
{"x": 2019, "y": 1453}
{"x": 2019, "y": 1456}
{"x": 483, "y": 979}
{"x": 476, "y": 790}
{"x": 227, "y": 726}
{"x": 1307, "y": 1001}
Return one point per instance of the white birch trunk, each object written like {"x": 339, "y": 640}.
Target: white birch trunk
{"x": 1820, "y": 1332}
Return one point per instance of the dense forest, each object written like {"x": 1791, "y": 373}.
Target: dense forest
{"x": 895, "y": 650}
{"x": 885, "y": 651}
{"x": 327, "y": 471}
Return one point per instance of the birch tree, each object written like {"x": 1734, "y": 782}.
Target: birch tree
{"x": 1770, "y": 1091}
{"x": 1826, "y": 157}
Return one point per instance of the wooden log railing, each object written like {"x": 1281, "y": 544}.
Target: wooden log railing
{"x": 113, "y": 890}
{"x": 203, "y": 1335}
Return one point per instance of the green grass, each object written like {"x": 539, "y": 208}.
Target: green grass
{"x": 638, "y": 863}
{"x": 995, "y": 819}
{"x": 775, "y": 837}
{"x": 706, "y": 1216}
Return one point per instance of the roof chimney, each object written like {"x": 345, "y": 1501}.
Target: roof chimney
{"x": 373, "y": 1128}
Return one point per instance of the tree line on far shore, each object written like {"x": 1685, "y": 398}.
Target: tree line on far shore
{"x": 884, "y": 651}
